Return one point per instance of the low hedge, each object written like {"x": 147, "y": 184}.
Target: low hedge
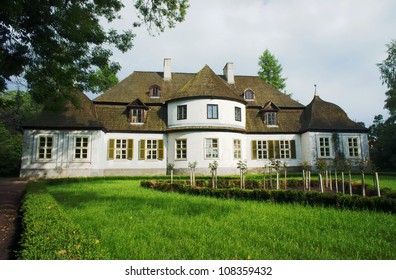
{"x": 49, "y": 234}
{"x": 313, "y": 198}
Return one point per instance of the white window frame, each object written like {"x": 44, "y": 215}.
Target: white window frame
{"x": 237, "y": 148}
{"x": 262, "y": 149}
{"x": 48, "y": 150}
{"x": 324, "y": 147}
{"x": 354, "y": 149}
{"x": 151, "y": 149}
{"x": 245, "y": 95}
{"x": 271, "y": 119}
{"x": 181, "y": 149}
{"x": 79, "y": 149}
{"x": 284, "y": 149}
{"x": 211, "y": 148}
{"x": 120, "y": 148}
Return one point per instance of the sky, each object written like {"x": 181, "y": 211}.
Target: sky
{"x": 333, "y": 44}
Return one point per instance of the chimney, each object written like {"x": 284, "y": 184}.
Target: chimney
{"x": 167, "y": 69}
{"x": 228, "y": 72}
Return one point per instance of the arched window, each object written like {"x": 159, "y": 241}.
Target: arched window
{"x": 249, "y": 94}
{"x": 154, "y": 91}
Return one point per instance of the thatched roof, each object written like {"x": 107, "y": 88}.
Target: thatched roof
{"x": 320, "y": 115}
{"x": 207, "y": 84}
{"x": 82, "y": 116}
{"x": 110, "y": 111}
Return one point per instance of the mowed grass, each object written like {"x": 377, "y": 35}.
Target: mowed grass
{"x": 136, "y": 223}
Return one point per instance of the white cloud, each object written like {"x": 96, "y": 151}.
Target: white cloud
{"x": 334, "y": 44}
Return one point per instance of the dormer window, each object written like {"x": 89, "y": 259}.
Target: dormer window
{"x": 249, "y": 95}
{"x": 137, "y": 115}
{"x": 270, "y": 114}
{"x": 137, "y": 112}
{"x": 154, "y": 91}
{"x": 271, "y": 118}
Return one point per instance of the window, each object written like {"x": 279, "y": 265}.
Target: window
{"x": 324, "y": 147}
{"x": 45, "y": 145}
{"x": 262, "y": 149}
{"x": 284, "y": 149}
{"x": 181, "y": 148}
{"x": 151, "y": 149}
{"x": 182, "y": 112}
{"x": 270, "y": 118}
{"x": 237, "y": 149}
{"x": 211, "y": 148}
{"x": 120, "y": 149}
{"x": 238, "y": 114}
{"x": 277, "y": 149}
{"x": 81, "y": 147}
{"x": 249, "y": 94}
{"x": 353, "y": 147}
{"x": 213, "y": 111}
{"x": 137, "y": 115}
{"x": 154, "y": 91}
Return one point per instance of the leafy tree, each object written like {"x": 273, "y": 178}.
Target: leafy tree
{"x": 57, "y": 46}
{"x": 271, "y": 70}
{"x": 388, "y": 76}
{"x": 103, "y": 79}
{"x": 16, "y": 107}
{"x": 383, "y": 133}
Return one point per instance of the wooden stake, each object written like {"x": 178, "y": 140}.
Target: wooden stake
{"x": 377, "y": 184}
{"x": 363, "y": 185}
{"x": 320, "y": 182}
{"x": 350, "y": 183}
{"x": 343, "y": 182}
{"x": 336, "y": 181}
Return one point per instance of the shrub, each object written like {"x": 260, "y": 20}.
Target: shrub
{"x": 313, "y": 198}
{"x": 49, "y": 234}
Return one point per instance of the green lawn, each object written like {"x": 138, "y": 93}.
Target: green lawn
{"x": 131, "y": 222}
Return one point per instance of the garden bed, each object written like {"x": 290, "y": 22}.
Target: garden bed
{"x": 226, "y": 189}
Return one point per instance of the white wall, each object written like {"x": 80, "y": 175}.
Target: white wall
{"x": 197, "y": 113}
{"x": 196, "y": 150}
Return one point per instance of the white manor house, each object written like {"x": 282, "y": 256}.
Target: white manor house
{"x": 152, "y": 119}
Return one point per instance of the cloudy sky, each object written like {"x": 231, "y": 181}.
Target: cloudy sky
{"x": 333, "y": 44}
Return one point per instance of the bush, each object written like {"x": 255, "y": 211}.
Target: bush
{"x": 49, "y": 234}
{"x": 313, "y": 198}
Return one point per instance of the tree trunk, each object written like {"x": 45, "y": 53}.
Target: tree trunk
{"x": 350, "y": 183}
{"x": 377, "y": 184}
{"x": 320, "y": 182}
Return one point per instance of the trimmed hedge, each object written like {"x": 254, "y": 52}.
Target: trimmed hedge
{"x": 49, "y": 234}
{"x": 312, "y": 198}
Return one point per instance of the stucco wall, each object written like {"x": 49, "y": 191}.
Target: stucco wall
{"x": 197, "y": 113}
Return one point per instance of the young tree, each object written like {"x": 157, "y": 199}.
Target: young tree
{"x": 56, "y": 46}
{"x": 271, "y": 70}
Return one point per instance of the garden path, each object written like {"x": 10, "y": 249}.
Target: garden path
{"x": 11, "y": 194}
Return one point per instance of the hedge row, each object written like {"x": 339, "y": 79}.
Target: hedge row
{"x": 313, "y": 198}
{"x": 49, "y": 234}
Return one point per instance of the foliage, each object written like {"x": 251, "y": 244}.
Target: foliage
{"x": 16, "y": 107}
{"x": 271, "y": 70}
{"x": 56, "y": 58}
{"x": 138, "y": 223}
{"x": 290, "y": 196}
{"x": 49, "y": 234}
{"x": 10, "y": 152}
{"x": 103, "y": 79}
{"x": 388, "y": 76}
